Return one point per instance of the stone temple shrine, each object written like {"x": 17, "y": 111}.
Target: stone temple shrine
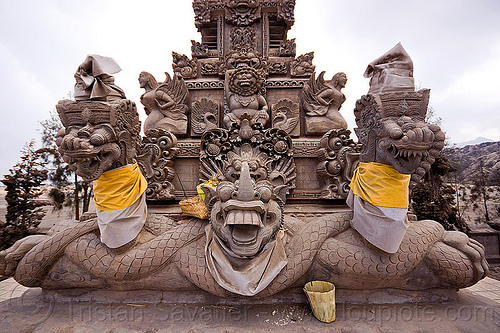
{"x": 287, "y": 196}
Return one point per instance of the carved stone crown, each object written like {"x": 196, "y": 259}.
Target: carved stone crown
{"x": 411, "y": 104}
{"x": 122, "y": 114}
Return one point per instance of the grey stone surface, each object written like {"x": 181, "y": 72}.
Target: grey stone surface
{"x": 24, "y": 310}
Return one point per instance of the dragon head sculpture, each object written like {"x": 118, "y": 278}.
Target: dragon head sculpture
{"x": 97, "y": 136}
{"x": 393, "y": 130}
{"x": 101, "y": 128}
{"x": 246, "y": 207}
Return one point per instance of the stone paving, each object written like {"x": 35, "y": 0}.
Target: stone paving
{"x": 22, "y": 309}
{"x": 488, "y": 287}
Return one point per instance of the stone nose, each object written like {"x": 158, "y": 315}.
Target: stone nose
{"x": 245, "y": 188}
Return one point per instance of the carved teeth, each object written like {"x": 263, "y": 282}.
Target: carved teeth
{"x": 405, "y": 153}
{"x": 243, "y": 217}
{"x": 230, "y": 218}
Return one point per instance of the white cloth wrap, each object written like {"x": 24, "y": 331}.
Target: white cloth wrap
{"x": 244, "y": 276}
{"x": 383, "y": 227}
{"x": 118, "y": 227}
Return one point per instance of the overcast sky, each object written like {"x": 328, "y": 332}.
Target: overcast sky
{"x": 454, "y": 44}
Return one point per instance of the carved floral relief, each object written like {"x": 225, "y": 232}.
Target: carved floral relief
{"x": 198, "y": 50}
{"x": 183, "y": 66}
{"x": 339, "y": 156}
{"x": 242, "y": 38}
{"x": 302, "y": 66}
{"x": 156, "y": 160}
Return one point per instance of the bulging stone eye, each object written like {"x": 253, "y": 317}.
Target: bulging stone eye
{"x": 97, "y": 139}
{"x": 225, "y": 191}
{"x": 396, "y": 133}
{"x": 253, "y": 165}
{"x": 100, "y": 137}
{"x": 265, "y": 193}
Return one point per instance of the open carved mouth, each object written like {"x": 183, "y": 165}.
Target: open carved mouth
{"x": 405, "y": 153}
{"x": 245, "y": 235}
{"x": 245, "y": 84}
{"x": 245, "y": 220}
{"x": 90, "y": 163}
{"x": 242, "y": 8}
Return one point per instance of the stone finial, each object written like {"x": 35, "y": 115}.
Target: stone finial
{"x": 391, "y": 72}
{"x": 94, "y": 80}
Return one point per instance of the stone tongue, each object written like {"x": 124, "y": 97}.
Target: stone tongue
{"x": 248, "y": 217}
{"x": 245, "y": 234}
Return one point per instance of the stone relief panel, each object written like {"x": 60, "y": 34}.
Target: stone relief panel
{"x": 288, "y": 48}
{"x": 285, "y": 115}
{"x": 204, "y": 116}
{"x": 339, "y": 156}
{"x": 198, "y": 50}
{"x": 242, "y": 38}
{"x": 278, "y": 68}
{"x": 302, "y": 66}
{"x": 210, "y": 67}
{"x": 183, "y": 66}
{"x": 156, "y": 160}
{"x": 242, "y": 12}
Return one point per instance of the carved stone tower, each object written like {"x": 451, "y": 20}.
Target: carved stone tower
{"x": 245, "y": 64}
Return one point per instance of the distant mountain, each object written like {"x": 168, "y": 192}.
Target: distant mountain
{"x": 476, "y": 141}
{"x": 472, "y": 158}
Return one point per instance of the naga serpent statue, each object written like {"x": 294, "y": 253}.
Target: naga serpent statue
{"x": 249, "y": 246}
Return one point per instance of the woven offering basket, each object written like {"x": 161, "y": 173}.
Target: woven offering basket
{"x": 194, "y": 207}
{"x": 321, "y": 296}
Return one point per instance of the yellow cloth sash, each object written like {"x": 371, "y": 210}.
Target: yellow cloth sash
{"x": 381, "y": 185}
{"x": 119, "y": 188}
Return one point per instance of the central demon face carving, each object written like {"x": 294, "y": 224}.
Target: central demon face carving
{"x": 242, "y": 12}
{"x": 247, "y": 215}
{"x": 246, "y": 208}
{"x": 245, "y": 82}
